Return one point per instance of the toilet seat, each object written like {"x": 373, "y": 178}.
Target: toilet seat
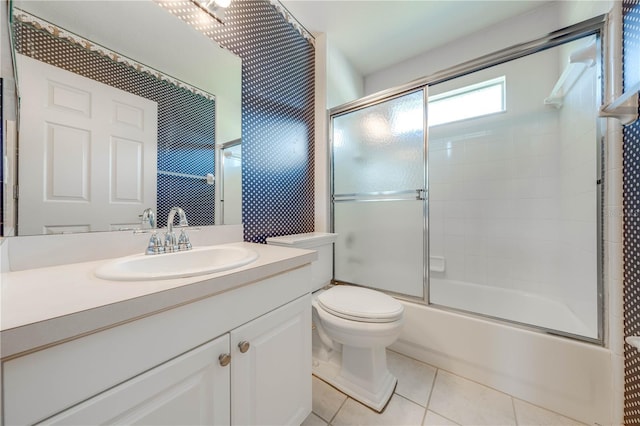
{"x": 360, "y": 304}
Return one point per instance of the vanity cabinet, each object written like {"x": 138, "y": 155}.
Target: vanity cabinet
{"x": 191, "y": 389}
{"x": 271, "y": 367}
{"x": 170, "y": 368}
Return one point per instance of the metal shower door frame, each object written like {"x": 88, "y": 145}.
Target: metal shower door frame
{"x": 594, "y": 26}
{"x": 422, "y": 194}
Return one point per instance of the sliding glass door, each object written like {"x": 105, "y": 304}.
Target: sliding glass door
{"x": 509, "y": 226}
{"x": 379, "y": 201}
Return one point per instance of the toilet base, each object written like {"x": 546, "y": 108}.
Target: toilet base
{"x": 329, "y": 369}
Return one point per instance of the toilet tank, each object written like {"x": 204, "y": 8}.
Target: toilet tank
{"x": 322, "y": 242}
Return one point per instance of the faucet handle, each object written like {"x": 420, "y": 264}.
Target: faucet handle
{"x": 155, "y": 245}
{"x": 170, "y": 243}
{"x": 148, "y": 219}
{"x": 183, "y": 241}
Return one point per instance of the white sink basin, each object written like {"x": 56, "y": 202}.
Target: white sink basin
{"x": 198, "y": 261}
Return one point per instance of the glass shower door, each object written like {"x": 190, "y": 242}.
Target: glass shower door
{"x": 379, "y": 200}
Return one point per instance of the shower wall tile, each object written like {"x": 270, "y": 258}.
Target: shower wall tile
{"x": 475, "y": 269}
{"x": 475, "y": 245}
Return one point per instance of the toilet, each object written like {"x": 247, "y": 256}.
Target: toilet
{"x": 352, "y": 327}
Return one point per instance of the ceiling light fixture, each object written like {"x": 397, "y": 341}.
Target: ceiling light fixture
{"x": 215, "y": 8}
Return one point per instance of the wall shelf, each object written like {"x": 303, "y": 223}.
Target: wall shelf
{"x": 579, "y": 61}
{"x": 624, "y": 108}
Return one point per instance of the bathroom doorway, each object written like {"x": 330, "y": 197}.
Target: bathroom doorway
{"x": 231, "y": 186}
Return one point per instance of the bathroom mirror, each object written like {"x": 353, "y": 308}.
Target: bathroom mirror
{"x": 170, "y": 79}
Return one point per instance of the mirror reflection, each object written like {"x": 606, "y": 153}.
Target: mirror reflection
{"x": 232, "y": 183}
{"x": 114, "y": 122}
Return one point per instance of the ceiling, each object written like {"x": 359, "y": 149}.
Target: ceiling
{"x": 374, "y": 34}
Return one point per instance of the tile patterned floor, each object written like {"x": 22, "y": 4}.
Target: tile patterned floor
{"x": 428, "y": 396}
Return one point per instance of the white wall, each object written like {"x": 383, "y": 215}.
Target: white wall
{"x": 531, "y": 25}
{"x": 321, "y": 149}
{"x": 344, "y": 83}
{"x": 337, "y": 82}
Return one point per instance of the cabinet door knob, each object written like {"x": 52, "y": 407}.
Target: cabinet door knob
{"x": 244, "y": 346}
{"x": 224, "y": 359}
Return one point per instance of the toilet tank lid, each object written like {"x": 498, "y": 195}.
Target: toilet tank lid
{"x": 304, "y": 240}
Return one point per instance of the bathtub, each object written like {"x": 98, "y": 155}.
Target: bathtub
{"x": 570, "y": 377}
{"x": 514, "y": 305}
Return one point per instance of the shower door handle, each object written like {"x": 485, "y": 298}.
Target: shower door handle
{"x": 406, "y": 195}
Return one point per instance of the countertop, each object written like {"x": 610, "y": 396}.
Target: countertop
{"x": 43, "y": 306}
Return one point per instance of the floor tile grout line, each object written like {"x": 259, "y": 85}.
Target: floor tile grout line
{"x": 424, "y": 416}
{"x": 426, "y": 408}
{"x": 320, "y": 417}
{"x": 433, "y": 386}
{"x": 545, "y": 409}
{"x": 410, "y": 400}
{"x": 337, "y": 390}
{"x": 454, "y": 374}
{"x": 411, "y": 368}
{"x": 476, "y": 382}
{"x": 502, "y": 392}
{"x": 340, "y": 408}
{"x": 410, "y": 357}
{"x": 445, "y": 417}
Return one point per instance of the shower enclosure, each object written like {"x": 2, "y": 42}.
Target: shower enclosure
{"x": 480, "y": 190}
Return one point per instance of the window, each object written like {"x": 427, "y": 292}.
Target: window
{"x": 466, "y": 102}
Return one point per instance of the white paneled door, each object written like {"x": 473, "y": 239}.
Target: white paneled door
{"x": 87, "y": 153}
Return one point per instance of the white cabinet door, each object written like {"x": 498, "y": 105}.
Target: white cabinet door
{"x": 192, "y": 389}
{"x": 271, "y": 380}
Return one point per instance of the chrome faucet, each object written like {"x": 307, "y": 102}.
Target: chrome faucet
{"x": 148, "y": 221}
{"x": 171, "y": 243}
{"x": 148, "y": 218}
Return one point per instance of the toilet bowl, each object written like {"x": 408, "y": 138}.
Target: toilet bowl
{"x": 352, "y": 328}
